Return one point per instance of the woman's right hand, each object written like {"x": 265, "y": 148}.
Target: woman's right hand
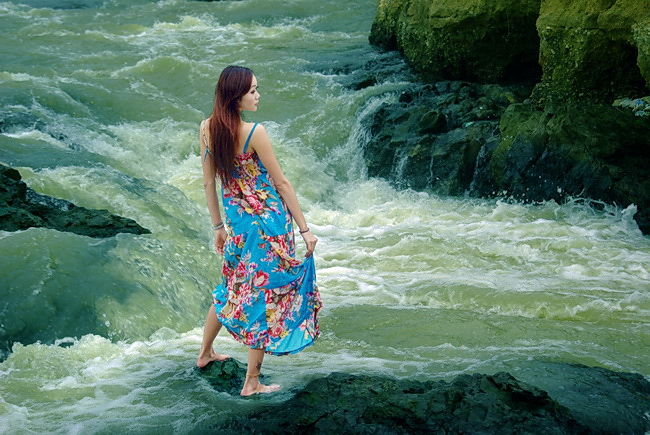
{"x": 310, "y": 241}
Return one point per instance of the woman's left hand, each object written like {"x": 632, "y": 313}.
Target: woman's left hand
{"x": 310, "y": 241}
{"x": 220, "y": 237}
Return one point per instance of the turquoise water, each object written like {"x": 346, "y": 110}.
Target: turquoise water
{"x": 101, "y": 102}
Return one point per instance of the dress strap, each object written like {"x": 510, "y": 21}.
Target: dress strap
{"x": 249, "y": 137}
{"x": 205, "y": 140}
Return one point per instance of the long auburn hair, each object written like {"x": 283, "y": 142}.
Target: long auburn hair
{"x": 234, "y": 82}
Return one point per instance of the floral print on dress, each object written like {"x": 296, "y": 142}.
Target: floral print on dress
{"x": 267, "y": 298}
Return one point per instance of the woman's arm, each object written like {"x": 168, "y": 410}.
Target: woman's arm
{"x": 210, "y": 187}
{"x": 261, "y": 144}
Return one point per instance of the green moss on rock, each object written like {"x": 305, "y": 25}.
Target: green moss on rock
{"x": 588, "y": 150}
{"x": 462, "y": 40}
{"x": 593, "y": 50}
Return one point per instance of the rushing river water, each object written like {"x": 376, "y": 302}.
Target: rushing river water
{"x": 101, "y": 102}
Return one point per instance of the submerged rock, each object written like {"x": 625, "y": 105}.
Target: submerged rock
{"x": 22, "y": 208}
{"x": 64, "y": 4}
{"x": 479, "y": 403}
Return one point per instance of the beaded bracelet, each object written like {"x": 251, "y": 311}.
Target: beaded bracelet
{"x": 303, "y": 232}
{"x": 217, "y": 226}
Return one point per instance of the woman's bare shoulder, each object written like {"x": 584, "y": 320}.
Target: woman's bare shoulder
{"x": 259, "y": 128}
{"x": 247, "y": 128}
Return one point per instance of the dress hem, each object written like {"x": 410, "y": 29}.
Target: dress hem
{"x": 268, "y": 352}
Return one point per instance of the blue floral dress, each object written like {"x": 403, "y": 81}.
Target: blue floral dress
{"x": 267, "y": 299}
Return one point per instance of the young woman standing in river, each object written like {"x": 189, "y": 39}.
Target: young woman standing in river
{"x": 268, "y": 300}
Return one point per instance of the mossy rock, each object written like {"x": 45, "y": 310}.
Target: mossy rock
{"x": 462, "y": 40}
{"x": 587, "y": 150}
{"x": 592, "y": 50}
{"x": 430, "y": 138}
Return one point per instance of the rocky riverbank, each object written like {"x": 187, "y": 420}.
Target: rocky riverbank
{"x": 583, "y": 132}
{"x": 579, "y": 399}
{"x": 22, "y": 208}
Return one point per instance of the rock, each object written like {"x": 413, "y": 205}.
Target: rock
{"x": 360, "y": 68}
{"x": 227, "y": 376}
{"x": 22, "y": 208}
{"x": 430, "y": 138}
{"x": 641, "y": 36}
{"x": 558, "y": 398}
{"x": 593, "y": 50}
{"x": 580, "y": 150}
{"x": 605, "y": 401}
{"x": 590, "y": 50}
{"x": 457, "y": 138}
{"x": 570, "y": 142}
{"x": 481, "y": 41}
{"x": 344, "y": 403}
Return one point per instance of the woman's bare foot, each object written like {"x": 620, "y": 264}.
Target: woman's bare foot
{"x": 253, "y": 386}
{"x": 204, "y": 360}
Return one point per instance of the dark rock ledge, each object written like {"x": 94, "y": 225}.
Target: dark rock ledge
{"x": 22, "y": 208}
{"x": 487, "y": 140}
{"x": 584, "y": 400}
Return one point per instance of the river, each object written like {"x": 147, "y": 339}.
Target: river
{"x": 101, "y": 102}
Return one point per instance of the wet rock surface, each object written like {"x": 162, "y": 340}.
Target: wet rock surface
{"x": 571, "y": 150}
{"x": 227, "y": 376}
{"x": 572, "y": 138}
{"x": 430, "y": 138}
{"x": 605, "y": 401}
{"x": 22, "y": 208}
{"x": 460, "y": 138}
{"x": 580, "y": 400}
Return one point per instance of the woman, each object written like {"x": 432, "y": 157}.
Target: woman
{"x": 267, "y": 300}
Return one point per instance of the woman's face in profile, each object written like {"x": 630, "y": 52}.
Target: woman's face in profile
{"x": 251, "y": 98}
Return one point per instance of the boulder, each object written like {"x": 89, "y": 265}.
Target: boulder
{"x": 457, "y": 138}
{"x": 593, "y": 50}
{"x": 344, "y": 403}
{"x": 605, "y": 401}
{"x": 227, "y": 376}
{"x": 429, "y": 139}
{"x": 22, "y": 208}
{"x": 570, "y": 141}
{"x": 570, "y": 150}
{"x": 478, "y": 403}
{"x": 481, "y": 41}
